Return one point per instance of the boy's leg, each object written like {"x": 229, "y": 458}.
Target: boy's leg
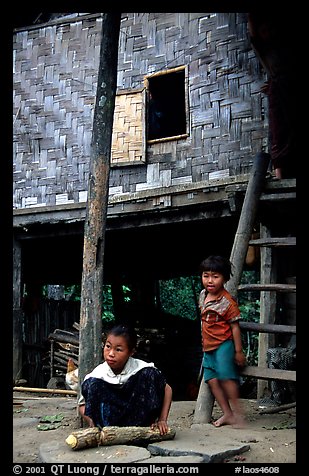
{"x": 210, "y": 377}
{"x": 222, "y": 400}
{"x": 231, "y": 390}
{"x": 224, "y": 384}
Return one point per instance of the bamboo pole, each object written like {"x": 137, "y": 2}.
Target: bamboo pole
{"x": 247, "y": 219}
{"x": 45, "y": 390}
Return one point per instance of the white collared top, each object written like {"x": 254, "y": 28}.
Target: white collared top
{"x": 104, "y": 372}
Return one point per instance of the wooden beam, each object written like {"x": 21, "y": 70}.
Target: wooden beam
{"x": 267, "y": 328}
{"x": 269, "y": 374}
{"x": 285, "y": 288}
{"x": 271, "y": 197}
{"x": 280, "y": 241}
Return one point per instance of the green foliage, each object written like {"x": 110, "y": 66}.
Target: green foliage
{"x": 179, "y": 296}
{"x": 73, "y": 293}
{"x": 126, "y": 292}
{"x": 249, "y": 305}
{"x": 107, "y": 305}
{"x": 249, "y": 301}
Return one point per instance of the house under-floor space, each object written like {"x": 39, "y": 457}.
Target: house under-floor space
{"x": 141, "y": 249}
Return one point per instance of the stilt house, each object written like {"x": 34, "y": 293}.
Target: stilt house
{"x": 189, "y": 119}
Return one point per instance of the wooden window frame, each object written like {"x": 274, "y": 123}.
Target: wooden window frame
{"x": 186, "y": 103}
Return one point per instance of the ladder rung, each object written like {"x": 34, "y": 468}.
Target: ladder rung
{"x": 277, "y": 196}
{"x": 267, "y": 328}
{"x": 281, "y": 241}
{"x": 285, "y": 288}
{"x": 269, "y": 374}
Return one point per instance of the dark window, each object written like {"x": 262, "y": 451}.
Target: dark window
{"x": 166, "y": 105}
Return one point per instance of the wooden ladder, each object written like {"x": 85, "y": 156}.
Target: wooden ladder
{"x": 205, "y": 399}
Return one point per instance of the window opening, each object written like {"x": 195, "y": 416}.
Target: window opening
{"x": 167, "y": 116}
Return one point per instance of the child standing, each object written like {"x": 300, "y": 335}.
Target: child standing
{"x": 221, "y": 339}
{"x": 123, "y": 390}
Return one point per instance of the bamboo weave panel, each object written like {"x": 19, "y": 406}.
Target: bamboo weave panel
{"x": 128, "y": 144}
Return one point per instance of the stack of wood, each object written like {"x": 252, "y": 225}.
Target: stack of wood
{"x": 64, "y": 344}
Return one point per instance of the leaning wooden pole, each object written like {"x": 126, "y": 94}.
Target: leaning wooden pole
{"x": 205, "y": 399}
{"x": 247, "y": 219}
{"x": 90, "y": 334}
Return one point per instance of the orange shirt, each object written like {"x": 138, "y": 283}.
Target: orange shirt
{"x": 216, "y": 317}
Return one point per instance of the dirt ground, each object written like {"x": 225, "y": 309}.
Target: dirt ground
{"x": 39, "y": 418}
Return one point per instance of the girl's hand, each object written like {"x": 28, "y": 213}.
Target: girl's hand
{"x": 161, "y": 425}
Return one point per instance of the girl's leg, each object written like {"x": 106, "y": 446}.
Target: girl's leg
{"x": 88, "y": 420}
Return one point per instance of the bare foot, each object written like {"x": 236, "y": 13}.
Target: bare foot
{"x": 239, "y": 421}
{"x": 224, "y": 420}
{"x": 278, "y": 173}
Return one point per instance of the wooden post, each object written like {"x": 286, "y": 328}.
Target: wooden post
{"x": 17, "y": 312}
{"x": 205, "y": 400}
{"x": 90, "y": 347}
{"x": 268, "y": 302}
{"x": 204, "y": 404}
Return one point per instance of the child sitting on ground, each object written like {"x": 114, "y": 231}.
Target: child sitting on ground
{"x": 123, "y": 390}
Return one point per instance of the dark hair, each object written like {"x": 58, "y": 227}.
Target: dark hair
{"x": 124, "y": 331}
{"x": 217, "y": 264}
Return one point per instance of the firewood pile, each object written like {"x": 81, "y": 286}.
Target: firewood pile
{"x": 64, "y": 344}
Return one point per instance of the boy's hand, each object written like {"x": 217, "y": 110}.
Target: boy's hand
{"x": 240, "y": 358}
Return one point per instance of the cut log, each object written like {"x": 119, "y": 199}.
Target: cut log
{"x": 116, "y": 435}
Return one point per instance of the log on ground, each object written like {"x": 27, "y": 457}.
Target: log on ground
{"x": 116, "y": 435}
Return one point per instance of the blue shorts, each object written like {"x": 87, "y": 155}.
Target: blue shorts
{"x": 220, "y": 363}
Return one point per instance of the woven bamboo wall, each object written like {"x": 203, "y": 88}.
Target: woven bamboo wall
{"x": 128, "y": 141}
{"x": 55, "y": 74}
